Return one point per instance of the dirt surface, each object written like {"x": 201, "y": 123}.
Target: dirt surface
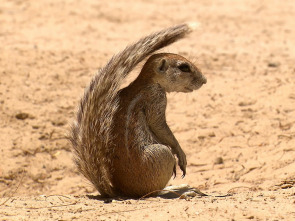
{"x": 238, "y": 131}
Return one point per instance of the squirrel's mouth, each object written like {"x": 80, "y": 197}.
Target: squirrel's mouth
{"x": 192, "y": 88}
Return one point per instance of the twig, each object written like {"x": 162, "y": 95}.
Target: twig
{"x": 23, "y": 174}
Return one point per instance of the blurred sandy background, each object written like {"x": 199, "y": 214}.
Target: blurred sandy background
{"x": 238, "y": 131}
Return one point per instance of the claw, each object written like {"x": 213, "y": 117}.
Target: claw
{"x": 174, "y": 171}
{"x": 183, "y": 172}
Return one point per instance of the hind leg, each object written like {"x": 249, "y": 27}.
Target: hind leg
{"x": 162, "y": 164}
{"x": 145, "y": 171}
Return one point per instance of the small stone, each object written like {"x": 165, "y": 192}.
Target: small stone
{"x": 273, "y": 64}
{"x": 247, "y": 103}
{"x": 211, "y": 134}
{"x": 286, "y": 186}
{"x": 35, "y": 127}
{"x": 22, "y": 116}
{"x": 218, "y": 160}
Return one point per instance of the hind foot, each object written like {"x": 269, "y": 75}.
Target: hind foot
{"x": 183, "y": 191}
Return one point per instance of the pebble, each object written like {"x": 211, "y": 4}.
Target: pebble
{"x": 22, "y": 116}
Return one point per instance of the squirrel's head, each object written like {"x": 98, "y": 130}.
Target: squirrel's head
{"x": 175, "y": 73}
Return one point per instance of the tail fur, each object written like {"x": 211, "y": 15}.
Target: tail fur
{"x": 91, "y": 131}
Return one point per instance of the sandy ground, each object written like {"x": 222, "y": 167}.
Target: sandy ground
{"x": 238, "y": 131}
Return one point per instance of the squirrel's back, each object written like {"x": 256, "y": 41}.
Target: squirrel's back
{"x": 91, "y": 132}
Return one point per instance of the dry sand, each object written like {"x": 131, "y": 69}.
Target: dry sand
{"x": 238, "y": 130}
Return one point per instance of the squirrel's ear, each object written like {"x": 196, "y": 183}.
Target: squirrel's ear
{"x": 162, "y": 66}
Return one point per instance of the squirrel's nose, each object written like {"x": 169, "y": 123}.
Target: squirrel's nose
{"x": 204, "y": 79}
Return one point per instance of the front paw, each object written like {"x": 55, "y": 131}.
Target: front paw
{"x": 182, "y": 162}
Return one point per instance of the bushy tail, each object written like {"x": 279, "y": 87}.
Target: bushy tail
{"x": 91, "y": 132}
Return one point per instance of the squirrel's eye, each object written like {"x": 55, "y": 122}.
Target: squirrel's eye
{"x": 184, "y": 68}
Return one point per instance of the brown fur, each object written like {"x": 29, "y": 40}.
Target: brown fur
{"x": 121, "y": 141}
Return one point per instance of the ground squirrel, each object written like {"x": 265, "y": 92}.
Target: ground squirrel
{"x": 121, "y": 140}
